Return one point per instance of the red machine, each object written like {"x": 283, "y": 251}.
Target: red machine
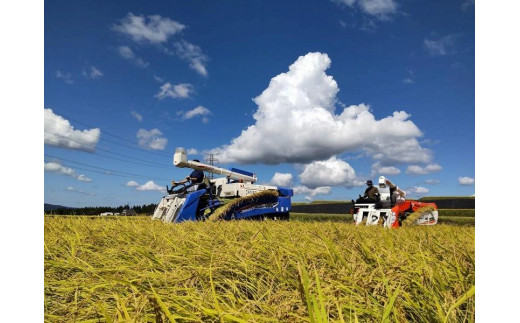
{"x": 391, "y": 209}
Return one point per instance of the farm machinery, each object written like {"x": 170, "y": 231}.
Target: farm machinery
{"x": 234, "y": 196}
{"x": 391, "y": 208}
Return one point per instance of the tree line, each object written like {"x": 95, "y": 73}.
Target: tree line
{"x": 97, "y": 210}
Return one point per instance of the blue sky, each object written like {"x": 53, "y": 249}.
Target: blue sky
{"x": 316, "y": 95}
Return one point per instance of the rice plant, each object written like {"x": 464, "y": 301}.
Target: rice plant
{"x": 139, "y": 270}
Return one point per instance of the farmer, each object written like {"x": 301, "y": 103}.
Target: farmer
{"x": 371, "y": 194}
{"x": 196, "y": 177}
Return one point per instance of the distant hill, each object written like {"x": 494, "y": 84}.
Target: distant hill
{"x": 50, "y": 207}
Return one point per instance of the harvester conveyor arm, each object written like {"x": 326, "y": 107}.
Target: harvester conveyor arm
{"x": 180, "y": 160}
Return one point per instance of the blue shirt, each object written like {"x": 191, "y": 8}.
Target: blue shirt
{"x": 198, "y": 174}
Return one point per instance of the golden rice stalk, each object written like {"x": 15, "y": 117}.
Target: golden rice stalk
{"x": 253, "y": 199}
{"x": 412, "y": 218}
{"x": 133, "y": 269}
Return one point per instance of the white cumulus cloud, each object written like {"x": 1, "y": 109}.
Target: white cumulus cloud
{"x": 66, "y": 77}
{"x": 296, "y": 123}
{"x": 377, "y": 169}
{"x": 445, "y": 45}
{"x": 60, "y": 133}
{"x": 57, "y": 168}
{"x": 389, "y": 170}
{"x": 73, "y": 189}
{"x": 378, "y": 8}
{"x": 137, "y": 116}
{"x": 154, "y": 29}
{"x": 168, "y": 90}
{"x": 198, "y": 111}
{"x": 132, "y": 184}
{"x": 466, "y": 180}
{"x": 282, "y": 179}
{"x": 127, "y": 53}
{"x": 192, "y": 151}
{"x": 381, "y": 9}
{"x": 84, "y": 178}
{"x": 418, "y": 170}
{"x": 432, "y": 181}
{"x": 418, "y": 190}
{"x": 158, "y": 79}
{"x": 150, "y": 186}
{"x": 311, "y": 192}
{"x": 92, "y": 73}
{"x": 151, "y": 139}
{"x": 331, "y": 172}
{"x": 193, "y": 54}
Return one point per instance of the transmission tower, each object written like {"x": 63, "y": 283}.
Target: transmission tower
{"x": 210, "y": 159}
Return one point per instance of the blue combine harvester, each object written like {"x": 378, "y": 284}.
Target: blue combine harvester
{"x": 245, "y": 200}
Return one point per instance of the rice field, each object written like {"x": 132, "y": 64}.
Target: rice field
{"x": 133, "y": 269}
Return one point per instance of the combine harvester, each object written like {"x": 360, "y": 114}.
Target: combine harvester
{"x": 392, "y": 209}
{"x": 245, "y": 200}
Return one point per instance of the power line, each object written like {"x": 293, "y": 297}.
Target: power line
{"x": 151, "y": 163}
{"x": 101, "y": 148}
{"x": 137, "y": 148}
{"x": 120, "y": 138}
{"x": 112, "y": 172}
{"x": 103, "y": 173}
{"x": 148, "y": 163}
{"x": 131, "y": 162}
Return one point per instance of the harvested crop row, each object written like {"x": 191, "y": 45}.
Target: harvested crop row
{"x": 135, "y": 269}
{"x": 267, "y": 196}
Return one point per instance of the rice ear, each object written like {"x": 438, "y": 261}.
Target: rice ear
{"x": 412, "y": 218}
{"x": 256, "y": 198}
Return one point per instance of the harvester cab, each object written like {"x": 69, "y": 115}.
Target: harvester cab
{"x": 392, "y": 208}
{"x": 234, "y": 196}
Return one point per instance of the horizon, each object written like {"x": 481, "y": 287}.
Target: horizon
{"x": 301, "y": 202}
